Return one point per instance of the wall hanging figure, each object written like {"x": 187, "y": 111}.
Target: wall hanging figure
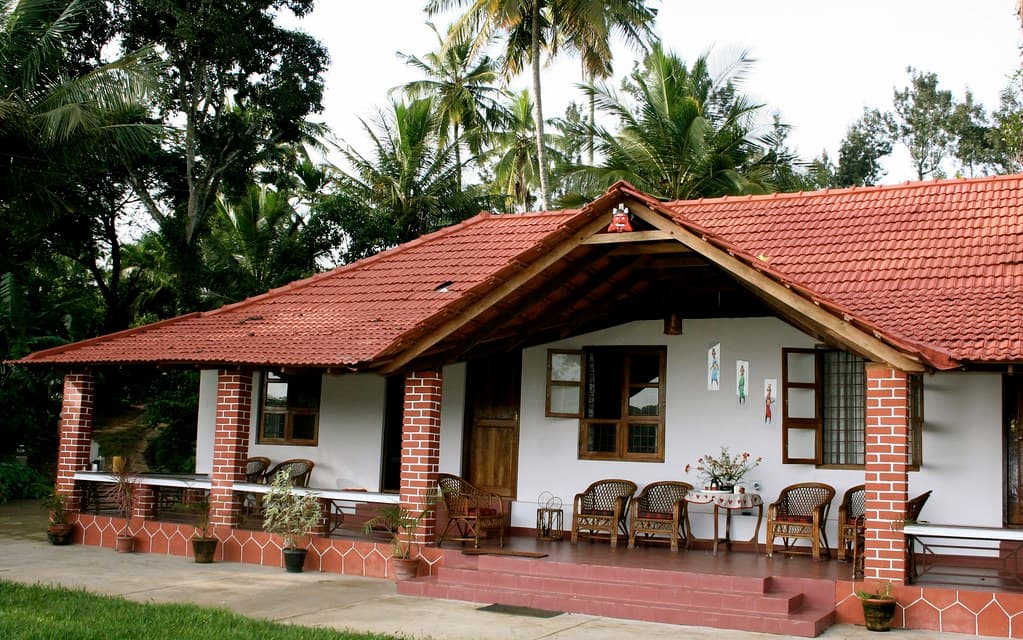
{"x": 770, "y": 386}
{"x": 714, "y": 368}
{"x": 742, "y": 380}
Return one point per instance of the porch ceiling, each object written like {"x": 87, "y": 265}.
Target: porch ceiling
{"x": 600, "y": 285}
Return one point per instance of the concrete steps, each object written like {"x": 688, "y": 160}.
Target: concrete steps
{"x": 761, "y": 604}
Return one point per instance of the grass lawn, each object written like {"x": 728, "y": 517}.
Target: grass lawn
{"x": 48, "y": 613}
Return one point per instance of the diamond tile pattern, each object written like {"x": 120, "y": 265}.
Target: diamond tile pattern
{"x": 938, "y": 263}
{"x": 935, "y": 265}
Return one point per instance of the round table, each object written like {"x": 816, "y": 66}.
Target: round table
{"x": 730, "y": 502}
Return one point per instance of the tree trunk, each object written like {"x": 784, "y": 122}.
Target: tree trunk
{"x": 541, "y": 150}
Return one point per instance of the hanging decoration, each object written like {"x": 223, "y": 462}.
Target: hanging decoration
{"x": 714, "y": 367}
{"x": 620, "y": 220}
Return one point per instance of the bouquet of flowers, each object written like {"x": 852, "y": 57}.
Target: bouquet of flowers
{"x": 724, "y": 470}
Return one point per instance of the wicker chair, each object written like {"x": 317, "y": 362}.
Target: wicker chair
{"x": 660, "y": 510}
{"x": 850, "y": 512}
{"x": 603, "y": 510}
{"x": 473, "y": 512}
{"x": 255, "y": 469}
{"x": 800, "y": 512}
{"x": 299, "y": 470}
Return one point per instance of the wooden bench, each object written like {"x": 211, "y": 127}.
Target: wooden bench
{"x": 962, "y": 537}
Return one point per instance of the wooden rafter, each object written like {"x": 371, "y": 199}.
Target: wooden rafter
{"x": 491, "y": 298}
{"x": 780, "y": 297}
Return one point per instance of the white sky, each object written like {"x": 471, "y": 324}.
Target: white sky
{"x": 818, "y": 62}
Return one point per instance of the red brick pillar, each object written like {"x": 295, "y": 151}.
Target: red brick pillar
{"x": 230, "y": 445}
{"x": 75, "y": 434}
{"x": 420, "y": 448}
{"x": 887, "y": 442}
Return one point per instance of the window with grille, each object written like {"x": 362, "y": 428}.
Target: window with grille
{"x": 824, "y": 394}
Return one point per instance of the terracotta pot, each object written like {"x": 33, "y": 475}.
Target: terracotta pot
{"x": 59, "y": 534}
{"x": 878, "y": 613}
{"x": 124, "y": 544}
{"x": 203, "y": 549}
{"x": 294, "y": 560}
{"x": 404, "y": 568}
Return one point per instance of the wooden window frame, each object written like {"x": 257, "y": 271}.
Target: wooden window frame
{"x": 553, "y": 384}
{"x": 288, "y": 412}
{"x": 625, "y": 422}
{"x": 815, "y": 425}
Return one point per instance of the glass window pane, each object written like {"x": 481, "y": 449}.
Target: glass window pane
{"x": 642, "y": 438}
{"x": 802, "y": 444}
{"x": 801, "y": 367}
{"x": 304, "y": 392}
{"x": 645, "y": 368}
{"x": 566, "y": 367}
{"x": 277, "y": 394}
{"x": 801, "y": 403}
{"x": 565, "y": 399}
{"x": 303, "y": 427}
{"x": 601, "y": 437}
{"x": 273, "y": 426}
{"x": 644, "y": 402}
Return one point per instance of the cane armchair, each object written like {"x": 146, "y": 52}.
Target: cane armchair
{"x": 255, "y": 469}
{"x": 602, "y": 510}
{"x": 660, "y": 510}
{"x": 299, "y": 470}
{"x": 800, "y": 513}
{"x": 473, "y": 512}
{"x": 850, "y": 516}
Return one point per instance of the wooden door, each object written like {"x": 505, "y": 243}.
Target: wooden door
{"x": 1012, "y": 419}
{"x": 492, "y": 423}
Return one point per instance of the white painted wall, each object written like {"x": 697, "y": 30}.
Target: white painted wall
{"x": 961, "y": 444}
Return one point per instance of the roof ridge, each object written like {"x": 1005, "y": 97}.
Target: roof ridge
{"x": 908, "y": 185}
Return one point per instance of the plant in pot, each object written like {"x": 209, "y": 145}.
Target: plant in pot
{"x": 878, "y": 607}
{"x": 290, "y": 515}
{"x": 204, "y": 544}
{"x": 57, "y": 531}
{"x": 122, "y": 493}
{"x": 401, "y": 524}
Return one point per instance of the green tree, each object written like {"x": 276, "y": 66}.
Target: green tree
{"x": 406, "y": 187}
{"x": 1005, "y": 137}
{"x": 867, "y": 142}
{"x": 463, "y": 84}
{"x": 683, "y": 134}
{"x": 922, "y": 115}
{"x": 255, "y": 243}
{"x": 238, "y": 90}
{"x": 532, "y": 28}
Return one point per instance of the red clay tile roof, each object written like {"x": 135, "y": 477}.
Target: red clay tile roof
{"x": 934, "y": 266}
{"x": 938, "y": 263}
{"x": 338, "y": 318}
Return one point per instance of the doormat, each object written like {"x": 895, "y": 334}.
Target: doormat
{"x": 503, "y": 552}
{"x": 520, "y": 611}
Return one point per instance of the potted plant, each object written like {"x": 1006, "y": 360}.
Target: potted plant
{"x": 122, "y": 493}
{"x": 401, "y": 524}
{"x": 57, "y": 531}
{"x": 289, "y": 515}
{"x": 723, "y": 471}
{"x": 878, "y": 607}
{"x": 204, "y": 544}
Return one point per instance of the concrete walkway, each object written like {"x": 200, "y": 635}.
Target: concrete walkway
{"x": 319, "y": 599}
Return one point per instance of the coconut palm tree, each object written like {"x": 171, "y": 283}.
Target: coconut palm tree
{"x": 462, "y": 82}
{"x": 406, "y": 187}
{"x": 681, "y": 132}
{"x": 533, "y": 27}
{"x": 255, "y": 243}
